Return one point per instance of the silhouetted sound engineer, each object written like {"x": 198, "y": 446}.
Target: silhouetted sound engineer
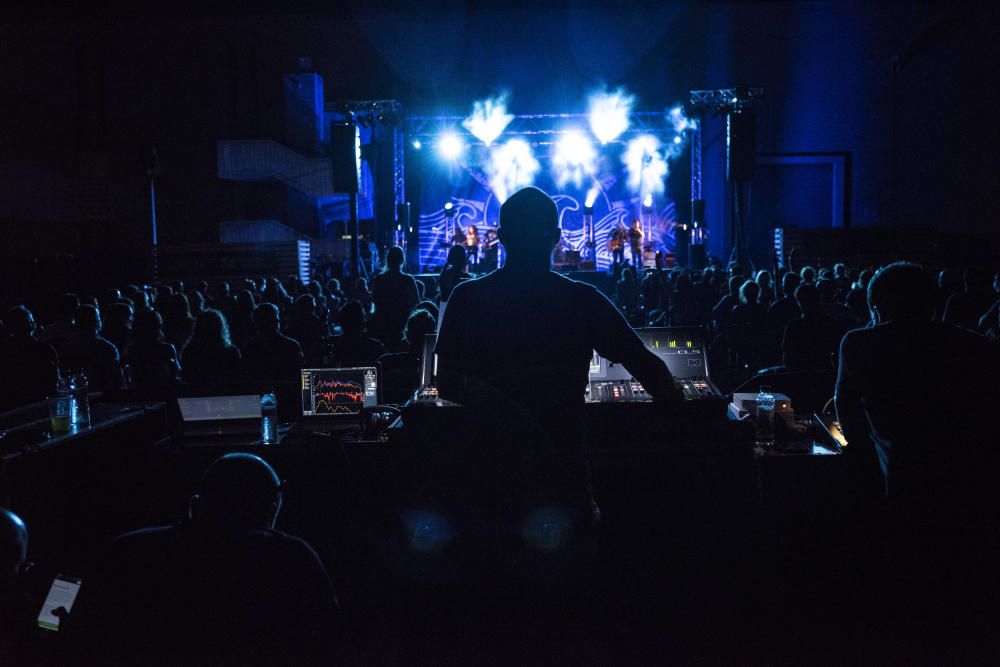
{"x": 515, "y": 348}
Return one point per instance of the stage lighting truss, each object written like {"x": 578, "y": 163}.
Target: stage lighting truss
{"x": 543, "y": 129}
{"x": 369, "y": 112}
{"x": 724, "y": 100}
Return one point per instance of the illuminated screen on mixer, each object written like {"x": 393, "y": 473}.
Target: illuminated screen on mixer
{"x": 338, "y": 391}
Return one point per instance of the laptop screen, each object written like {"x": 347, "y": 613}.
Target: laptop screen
{"x": 338, "y": 391}
{"x": 219, "y": 408}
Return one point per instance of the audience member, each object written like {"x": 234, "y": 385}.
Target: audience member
{"x": 811, "y": 341}
{"x": 453, "y": 272}
{"x": 964, "y": 308}
{"x": 64, "y": 327}
{"x": 88, "y": 351}
{"x": 766, "y": 288}
{"x": 785, "y": 309}
{"x": 394, "y": 293}
{"x": 401, "y": 370}
{"x": 270, "y": 359}
{"x": 685, "y": 309}
{"x": 304, "y": 325}
{"x": 118, "y": 328}
{"x": 210, "y": 359}
{"x": 353, "y": 347}
{"x": 240, "y": 317}
{"x": 746, "y": 328}
{"x": 17, "y": 607}
{"x": 178, "y": 323}
{"x": 937, "y": 454}
{"x": 152, "y": 362}
{"x": 949, "y": 282}
{"x": 30, "y": 368}
{"x": 223, "y": 585}
{"x": 724, "y": 308}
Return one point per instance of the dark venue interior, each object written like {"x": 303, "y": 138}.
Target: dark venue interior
{"x": 461, "y": 333}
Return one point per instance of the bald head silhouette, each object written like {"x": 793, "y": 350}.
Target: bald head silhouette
{"x": 238, "y": 492}
{"x": 529, "y": 228}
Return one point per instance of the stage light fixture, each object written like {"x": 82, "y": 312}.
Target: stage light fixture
{"x": 573, "y": 160}
{"x": 645, "y": 165}
{"x": 678, "y": 139}
{"x": 511, "y": 167}
{"x": 450, "y": 145}
{"x": 488, "y": 119}
{"x": 648, "y": 201}
{"x": 591, "y": 197}
{"x": 609, "y": 114}
{"x": 417, "y": 144}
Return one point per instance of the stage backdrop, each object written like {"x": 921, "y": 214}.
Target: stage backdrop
{"x": 466, "y": 184}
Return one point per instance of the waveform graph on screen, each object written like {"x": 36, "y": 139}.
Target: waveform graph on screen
{"x": 338, "y": 396}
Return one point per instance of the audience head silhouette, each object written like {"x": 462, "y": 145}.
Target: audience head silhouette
{"x": 266, "y": 318}
{"x": 211, "y": 329}
{"x": 394, "y": 258}
{"x": 529, "y": 227}
{"x": 807, "y": 296}
{"x": 789, "y": 282}
{"x": 457, "y": 257}
{"x": 148, "y": 327}
{"x": 749, "y": 292}
{"x": 88, "y": 319}
{"x": 352, "y": 318}
{"x": 419, "y": 324}
{"x": 20, "y": 322}
{"x": 238, "y": 492}
{"x": 900, "y": 292}
{"x": 13, "y": 545}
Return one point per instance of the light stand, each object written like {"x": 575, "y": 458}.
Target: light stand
{"x": 737, "y": 105}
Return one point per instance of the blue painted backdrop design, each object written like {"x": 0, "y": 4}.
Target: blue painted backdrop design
{"x": 467, "y": 188}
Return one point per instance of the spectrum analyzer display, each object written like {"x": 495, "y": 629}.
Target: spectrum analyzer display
{"x": 338, "y": 391}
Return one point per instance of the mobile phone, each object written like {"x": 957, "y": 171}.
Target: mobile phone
{"x": 62, "y": 594}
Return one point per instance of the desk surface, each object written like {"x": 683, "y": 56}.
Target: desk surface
{"x": 28, "y": 428}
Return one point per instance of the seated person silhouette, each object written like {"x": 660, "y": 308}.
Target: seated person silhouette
{"x": 88, "y": 351}
{"x": 210, "y": 360}
{"x": 17, "y": 608}
{"x": 353, "y": 347}
{"x": 29, "y": 367}
{"x": 515, "y": 347}
{"x": 271, "y": 359}
{"x": 394, "y": 293}
{"x": 811, "y": 341}
{"x": 916, "y": 393}
{"x": 152, "y": 362}
{"x": 221, "y": 586}
{"x": 916, "y": 400}
{"x": 401, "y": 370}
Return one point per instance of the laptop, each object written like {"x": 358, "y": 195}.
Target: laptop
{"x": 338, "y": 393}
{"x": 220, "y": 415}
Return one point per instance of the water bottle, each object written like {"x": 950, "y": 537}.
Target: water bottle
{"x": 79, "y": 415}
{"x": 764, "y": 421}
{"x": 269, "y": 418}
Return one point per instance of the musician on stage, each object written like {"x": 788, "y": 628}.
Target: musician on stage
{"x": 616, "y": 244}
{"x": 635, "y": 243}
{"x": 472, "y": 245}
